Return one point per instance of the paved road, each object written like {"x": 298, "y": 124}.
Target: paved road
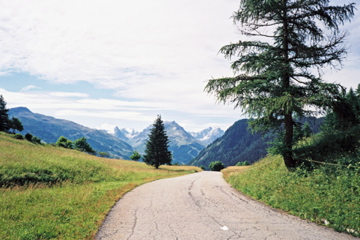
{"x": 201, "y": 206}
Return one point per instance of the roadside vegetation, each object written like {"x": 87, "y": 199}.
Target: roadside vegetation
{"x": 325, "y": 187}
{"x": 216, "y": 166}
{"x": 328, "y": 195}
{"x": 49, "y": 192}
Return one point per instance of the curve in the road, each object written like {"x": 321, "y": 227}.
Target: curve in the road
{"x": 202, "y": 206}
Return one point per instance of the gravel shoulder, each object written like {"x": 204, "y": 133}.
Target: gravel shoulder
{"x": 202, "y": 206}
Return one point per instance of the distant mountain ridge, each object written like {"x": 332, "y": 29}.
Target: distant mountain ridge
{"x": 238, "y": 144}
{"x": 205, "y": 137}
{"x": 49, "y": 129}
{"x": 183, "y": 145}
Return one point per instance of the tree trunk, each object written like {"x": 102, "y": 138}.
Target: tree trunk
{"x": 289, "y": 125}
{"x": 289, "y": 161}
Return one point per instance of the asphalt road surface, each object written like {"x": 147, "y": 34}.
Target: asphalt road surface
{"x": 202, "y": 206}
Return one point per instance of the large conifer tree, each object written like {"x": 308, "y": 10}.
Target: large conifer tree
{"x": 5, "y": 123}
{"x": 277, "y": 75}
{"x": 157, "y": 152}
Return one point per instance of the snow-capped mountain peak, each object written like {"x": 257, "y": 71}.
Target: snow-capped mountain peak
{"x": 208, "y": 135}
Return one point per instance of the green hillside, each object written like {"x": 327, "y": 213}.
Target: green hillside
{"x": 328, "y": 195}
{"x": 49, "y": 192}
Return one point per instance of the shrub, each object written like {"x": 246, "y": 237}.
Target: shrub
{"x": 28, "y": 137}
{"x": 245, "y": 163}
{"x": 64, "y": 142}
{"x": 18, "y": 136}
{"x": 216, "y": 166}
{"x": 135, "y": 156}
{"x": 104, "y": 154}
{"x": 35, "y": 139}
{"x": 82, "y": 145}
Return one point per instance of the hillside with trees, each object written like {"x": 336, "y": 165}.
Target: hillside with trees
{"x": 240, "y": 144}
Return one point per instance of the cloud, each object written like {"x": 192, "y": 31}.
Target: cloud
{"x": 29, "y": 87}
{"x": 114, "y": 44}
{"x": 107, "y": 127}
{"x": 69, "y": 94}
{"x": 156, "y": 56}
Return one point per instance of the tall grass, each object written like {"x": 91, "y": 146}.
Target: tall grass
{"x": 329, "y": 195}
{"x": 54, "y": 193}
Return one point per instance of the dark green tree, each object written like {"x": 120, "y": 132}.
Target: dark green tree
{"x": 5, "y": 123}
{"x": 276, "y": 77}
{"x": 135, "y": 156}
{"x": 344, "y": 114}
{"x": 64, "y": 142}
{"x": 16, "y": 125}
{"x": 29, "y": 137}
{"x": 82, "y": 145}
{"x": 156, "y": 152}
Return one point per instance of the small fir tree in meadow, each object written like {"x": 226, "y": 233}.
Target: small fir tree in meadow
{"x": 157, "y": 152}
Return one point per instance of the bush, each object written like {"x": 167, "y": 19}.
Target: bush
{"x": 64, "y": 142}
{"x": 28, "y": 137}
{"x": 332, "y": 147}
{"x": 35, "y": 139}
{"x": 104, "y": 154}
{"x": 83, "y": 146}
{"x": 245, "y": 163}
{"x": 18, "y": 136}
{"x": 216, "y": 166}
{"x": 136, "y": 156}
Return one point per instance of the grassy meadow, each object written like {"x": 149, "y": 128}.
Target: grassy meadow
{"x": 48, "y": 192}
{"x": 328, "y": 195}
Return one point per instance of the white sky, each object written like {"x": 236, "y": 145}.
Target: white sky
{"x": 106, "y": 63}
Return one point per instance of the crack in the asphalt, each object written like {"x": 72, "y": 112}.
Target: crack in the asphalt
{"x": 134, "y": 225}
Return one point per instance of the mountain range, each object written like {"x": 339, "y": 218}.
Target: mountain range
{"x": 183, "y": 145}
{"x": 49, "y": 129}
